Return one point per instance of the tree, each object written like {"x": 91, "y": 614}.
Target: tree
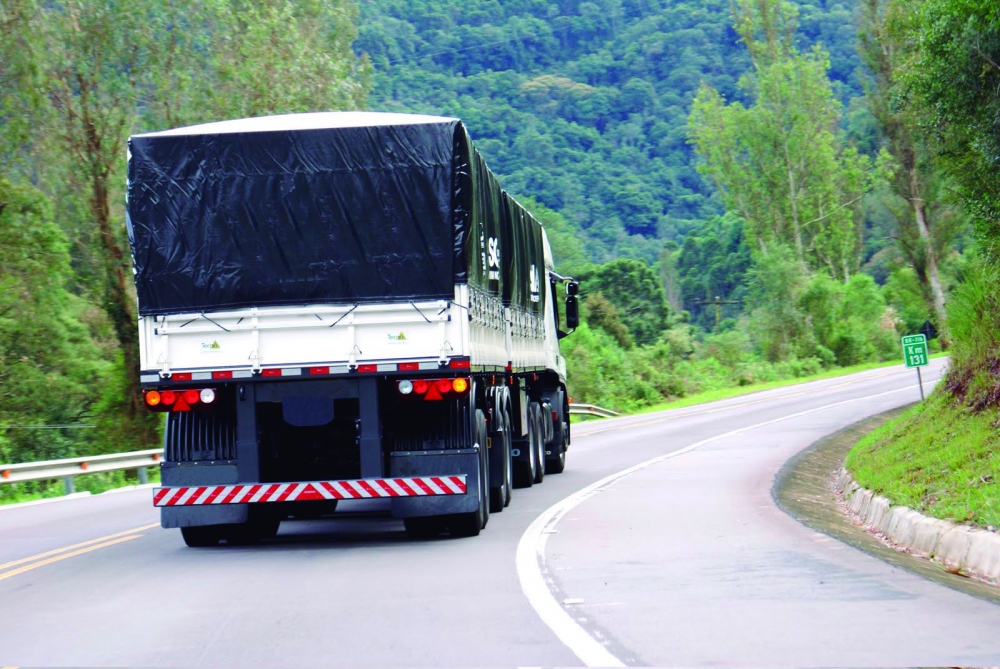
{"x": 925, "y": 225}
{"x": 950, "y": 78}
{"x": 50, "y": 370}
{"x": 636, "y": 293}
{"x": 108, "y": 68}
{"x": 779, "y": 163}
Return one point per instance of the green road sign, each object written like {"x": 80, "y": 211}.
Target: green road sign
{"x": 915, "y": 350}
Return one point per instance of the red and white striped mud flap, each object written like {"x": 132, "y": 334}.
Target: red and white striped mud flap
{"x": 252, "y": 493}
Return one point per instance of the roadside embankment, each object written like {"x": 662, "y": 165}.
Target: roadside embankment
{"x": 940, "y": 458}
{"x": 928, "y": 483}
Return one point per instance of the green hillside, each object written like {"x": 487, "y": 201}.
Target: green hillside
{"x": 584, "y": 105}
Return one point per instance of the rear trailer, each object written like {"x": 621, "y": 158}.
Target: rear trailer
{"x": 340, "y": 306}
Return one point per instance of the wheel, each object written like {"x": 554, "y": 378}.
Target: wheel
{"x": 524, "y": 475}
{"x": 500, "y": 495}
{"x": 509, "y": 479}
{"x": 536, "y": 424}
{"x": 202, "y": 536}
{"x": 471, "y": 523}
{"x": 424, "y": 527}
{"x": 556, "y": 464}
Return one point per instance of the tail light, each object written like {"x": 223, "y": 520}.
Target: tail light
{"x": 433, "y": 389}
{"x": 192, "y": 399}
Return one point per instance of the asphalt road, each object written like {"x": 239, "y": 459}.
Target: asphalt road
{"x": 683, "y": 561}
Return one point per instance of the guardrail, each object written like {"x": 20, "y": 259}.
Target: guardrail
{"x": 592, "y": 410}
{"x": 72, "y": 467}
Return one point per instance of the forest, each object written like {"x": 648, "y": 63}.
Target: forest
{"x": 749, "y": 190}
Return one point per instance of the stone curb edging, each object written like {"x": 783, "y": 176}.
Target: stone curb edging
{"x": 972, "y": 552}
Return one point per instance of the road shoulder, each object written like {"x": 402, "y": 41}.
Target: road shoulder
{"x": 804, "y": 490}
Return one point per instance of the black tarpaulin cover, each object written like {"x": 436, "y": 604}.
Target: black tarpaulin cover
{"x": 317, "y": 208}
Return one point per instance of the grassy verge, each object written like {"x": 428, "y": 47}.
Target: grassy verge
{"x": 938, "y": 458}
{"x": 736, "y": 391}
{"x": 95, "y": 484}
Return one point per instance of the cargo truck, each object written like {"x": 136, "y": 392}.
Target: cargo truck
{"x": 341, "y": 306}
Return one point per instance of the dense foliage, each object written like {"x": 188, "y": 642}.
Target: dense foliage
{"x": 583, "y": 105}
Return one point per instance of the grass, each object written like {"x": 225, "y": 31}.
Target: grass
{"x": 95, "y": 484}
{"x": 939, "y": 458}
{"x": 736, "y": 391}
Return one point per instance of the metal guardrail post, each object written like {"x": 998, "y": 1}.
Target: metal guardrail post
{"x": 143, "y": 475}
{"x": 69, "y": 484}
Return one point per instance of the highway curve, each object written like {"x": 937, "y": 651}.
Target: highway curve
{"x": 685, "y": 560}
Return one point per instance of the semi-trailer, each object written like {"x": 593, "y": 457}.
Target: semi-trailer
{"x": 340, "y": 306}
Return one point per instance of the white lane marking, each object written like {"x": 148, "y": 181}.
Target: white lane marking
{"x": 531, "y": 548}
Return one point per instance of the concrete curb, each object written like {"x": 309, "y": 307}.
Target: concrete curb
{"x": 962, "y": 549}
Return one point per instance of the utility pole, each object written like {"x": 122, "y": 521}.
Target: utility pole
{"x": 718, "y": 302}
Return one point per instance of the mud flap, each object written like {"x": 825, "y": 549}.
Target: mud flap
{"x": 436, "y": 463}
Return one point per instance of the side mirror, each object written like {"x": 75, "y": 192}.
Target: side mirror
{"x": 572, "y": 312}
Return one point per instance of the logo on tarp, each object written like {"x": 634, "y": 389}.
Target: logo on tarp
{"x": 210, "y": 347}
{"x": 401, "y": 337}
{"x": 494, "y": 258}
{"x": 535, "y": 296}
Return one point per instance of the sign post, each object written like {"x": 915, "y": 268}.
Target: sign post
{"x": 915, "y": 355}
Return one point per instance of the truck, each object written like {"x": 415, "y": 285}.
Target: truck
{"x": 338, "y": 306}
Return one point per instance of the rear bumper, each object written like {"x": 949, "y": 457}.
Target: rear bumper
{"x": 415, "y": 485}
{"x": 266, "y": 493}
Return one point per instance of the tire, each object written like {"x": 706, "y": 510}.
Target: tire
{"x": 524, "y": 475}
{"x": 500, "y": 495}
{"x": 472, "y": 523}
{"x": 539, "y": 442}
{"x": 509, "y": 444}
{"x": 424, "y": 527}
{"x": 203, "y": 536}
{"x": 557, "y": 464}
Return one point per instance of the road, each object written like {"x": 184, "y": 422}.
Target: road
{"x": 684, "y": 560}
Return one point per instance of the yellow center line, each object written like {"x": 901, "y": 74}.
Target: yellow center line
{"x": 36, "y": 565}
{"x": 75, "y": 546}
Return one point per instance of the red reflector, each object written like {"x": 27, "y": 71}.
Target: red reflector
{"x": 408, "y": 366}
{"x": 270, "y": 372}
{"x": 181, "y": 376}
{"x": 420, "y": 386}
{"x": 319, "y": 370}
{"x": 433, "y": 394}
{"x": 168, "y": 397}
{"x": 443, "y": 385}
{"x": 367, "y": 369}
{"x": 192, "y": 396}
{"x": 555, "y": 415}
{"x": 460, "y": 364}
{"x": 222, "y": 375}
{"x": 181, "y": 405}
